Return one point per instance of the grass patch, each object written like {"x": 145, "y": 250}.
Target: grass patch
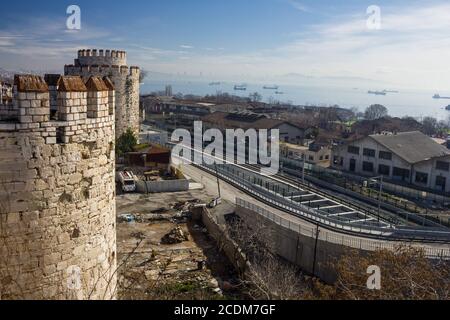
{"x": 140, "y": 147}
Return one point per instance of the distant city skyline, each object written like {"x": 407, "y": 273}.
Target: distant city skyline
{"x": 286, "y": 41}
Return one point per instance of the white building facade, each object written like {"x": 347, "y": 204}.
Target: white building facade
{"x": 410, "y": 157}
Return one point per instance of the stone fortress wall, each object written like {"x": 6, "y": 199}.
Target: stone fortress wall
{"x": 57, "y": 189}
{"x": 113, "y": 64}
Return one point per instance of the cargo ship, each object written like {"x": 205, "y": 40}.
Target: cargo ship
{"x": 274, "y": 87}
{"x": 378, "y": 93}
{"x": 241, "y": 87}
{"x": 437, "y": 96}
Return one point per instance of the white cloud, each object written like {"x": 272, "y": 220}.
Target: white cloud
{"x": 299, "y": 6}
{"x": 409, "y": 51}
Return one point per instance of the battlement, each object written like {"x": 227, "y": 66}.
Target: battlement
{"x": 75, "y": 108}
{"x": 101, "y": 53}
{"x": 99, "y": 70}
{"x": 87, "y": 57}
{"x": 126, "y": 80}
{"x": 57, "y": 201}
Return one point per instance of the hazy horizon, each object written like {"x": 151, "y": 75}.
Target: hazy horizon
{"x": 273, "y": 41}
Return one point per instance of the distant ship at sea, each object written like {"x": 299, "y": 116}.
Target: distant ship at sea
{"x": 274, "y": 87}
{"x": 437, "y": 96}
{"x": 279, "y": 92}
{"x": 391, "y": 91}
{"x": 215, "y": 83}
{"x": 378, "y": 93}
{"x": 241, "y": 87}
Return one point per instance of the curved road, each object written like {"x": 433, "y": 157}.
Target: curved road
{"x": 230, "y": 193}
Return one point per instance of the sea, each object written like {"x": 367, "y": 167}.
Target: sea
{"x": 403, "y": 103}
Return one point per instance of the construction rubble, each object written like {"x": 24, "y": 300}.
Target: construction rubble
{"x": 166, "y": 255}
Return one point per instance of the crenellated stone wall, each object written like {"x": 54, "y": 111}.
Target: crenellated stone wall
{"x": 57, "y": 191}
{"x": 113, "y": 64}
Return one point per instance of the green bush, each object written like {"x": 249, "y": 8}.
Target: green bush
{"x": 126, "y": 142}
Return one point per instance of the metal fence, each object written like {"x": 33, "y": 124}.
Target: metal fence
{"x": 408, "y": 192}
{"x": 339, "y": 239}
{"x": 316, "y": 216}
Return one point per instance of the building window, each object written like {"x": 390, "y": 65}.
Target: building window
{"x": 311, "y": 158}
{"x": 321, "y": 158}
{"x": 441, "y": 182}
{"x": 385, "y": 155}
{"x": 369, "y": 152}
{"x": 421, "y": 177}
{"x": 367, "y": 166}
{"x": 402, "y": 174}
{"x": 353, "y": 150}
{"x": 327, "y": 157}
{"x": 443, "y": 166}
{"x": 384, "y": 170}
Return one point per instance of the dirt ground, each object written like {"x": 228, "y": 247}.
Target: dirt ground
{"x": 192, "y": 269}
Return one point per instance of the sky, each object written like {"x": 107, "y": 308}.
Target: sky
{"x": 320, "y": 41}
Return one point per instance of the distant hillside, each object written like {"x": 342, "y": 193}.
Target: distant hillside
{"x": 8, "y": 75}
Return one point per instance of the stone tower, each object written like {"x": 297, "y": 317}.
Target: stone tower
{"x": 113, "y": 64}
{"x": 57, "y": 190}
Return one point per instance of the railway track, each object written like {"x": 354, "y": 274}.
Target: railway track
{"x": 390, "y": 233}
{"x": 337, "y": 207}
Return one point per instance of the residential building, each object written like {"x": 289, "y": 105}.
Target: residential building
{"x": 312, "y": 153}
{"x": 289, "y": 133}
{"x": 409, "y": 157}
{"x": 169, "y": 91}
{"x": 153, "y": 136}
{"x": 6, "y": 93}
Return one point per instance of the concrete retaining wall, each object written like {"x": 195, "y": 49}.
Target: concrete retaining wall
{"x": 162, "y": 186}
{"x": 231, "y": 249}
{"x": 300, "y": 249}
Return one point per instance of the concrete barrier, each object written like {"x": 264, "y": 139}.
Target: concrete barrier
{"x": 227, "y": 245}
{"x": 312, "y": 257}
{"x": 162, "y": 186}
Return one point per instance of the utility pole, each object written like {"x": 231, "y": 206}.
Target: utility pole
{"x": 315, "y": 250}
{"x": 303, "y": 169}
{"x": 218, "y": 181}
{"x": 379, "y": 197}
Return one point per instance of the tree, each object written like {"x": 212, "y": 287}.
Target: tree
{"x": 430, "y": 125}
{"x": 406, "y": 274}
{"x": 126, "y": 142}
{"x": 143, "y": 74}
{"x": 375, "y": 111}
{"x": 255, "y": 97}
{"x": 268, "y": 277}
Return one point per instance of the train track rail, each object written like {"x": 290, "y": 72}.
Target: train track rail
{"x": 390, "y": 233}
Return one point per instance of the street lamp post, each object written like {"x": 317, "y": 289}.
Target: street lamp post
{"x": 303, "y": 169}
{"x": 218, "y": 181}
{"x": 379, "y": 197}
{"x": 380, "y": 191}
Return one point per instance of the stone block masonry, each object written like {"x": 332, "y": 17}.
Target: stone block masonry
{"x": 113, "y": 64}
{"x": 57, "y": 191}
